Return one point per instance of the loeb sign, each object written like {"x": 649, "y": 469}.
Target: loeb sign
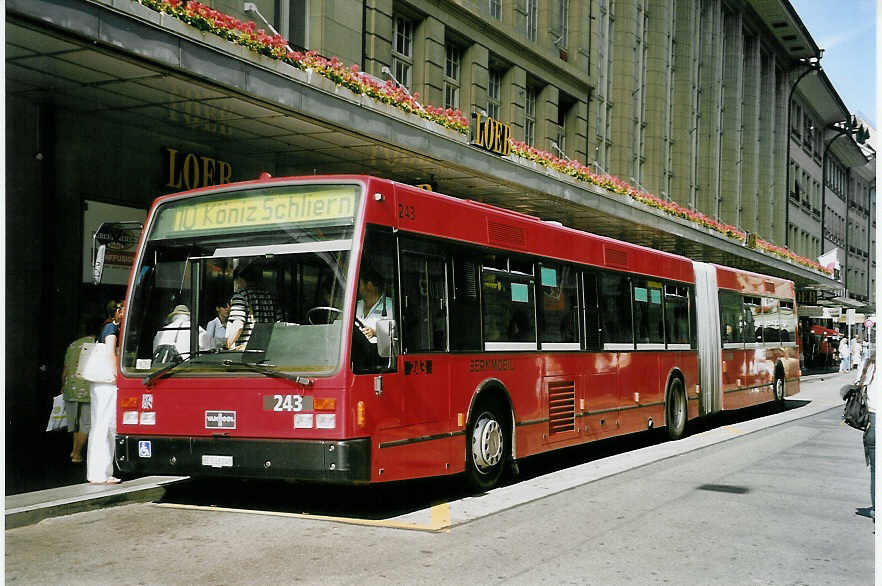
{"x": 190, "y": 170}
{"x": 492, "y": 135}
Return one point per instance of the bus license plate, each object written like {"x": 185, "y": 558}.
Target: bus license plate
{"x": 217, "y": 461}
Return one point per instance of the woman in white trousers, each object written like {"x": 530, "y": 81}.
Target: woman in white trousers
{"x": 99, "y": 457}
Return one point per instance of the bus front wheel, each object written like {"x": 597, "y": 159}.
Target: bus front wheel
{"x": 486, "y": 446}
{"x": 676, "y": 410}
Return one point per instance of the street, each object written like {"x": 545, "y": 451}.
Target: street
{"x": 775, "y": 506}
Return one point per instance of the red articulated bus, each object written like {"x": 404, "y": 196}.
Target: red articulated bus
{"x": 381, "y": 332}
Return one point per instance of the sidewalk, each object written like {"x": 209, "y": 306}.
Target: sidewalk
{"x": 32, "y": 507}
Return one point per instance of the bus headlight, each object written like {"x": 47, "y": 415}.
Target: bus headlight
{"x": 303, "y": 421}
{"x": 325, "y": 420}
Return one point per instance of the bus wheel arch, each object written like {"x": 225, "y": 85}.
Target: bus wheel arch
{"x": 676, "y": 405}
{"x": 489, "y": 435}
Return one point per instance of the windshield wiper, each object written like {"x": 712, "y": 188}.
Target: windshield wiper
{"x": 168, "y": 369}
{"x": 267, "y": 369}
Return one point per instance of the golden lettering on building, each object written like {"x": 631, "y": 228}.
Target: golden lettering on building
{"x": 189, "y": 170}
{"x": 492, "y": 135}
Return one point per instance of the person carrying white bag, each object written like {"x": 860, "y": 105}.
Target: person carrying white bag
{"x": 100, "y": 371}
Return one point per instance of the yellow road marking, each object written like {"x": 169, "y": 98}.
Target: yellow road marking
{"x": 440, "y": 516}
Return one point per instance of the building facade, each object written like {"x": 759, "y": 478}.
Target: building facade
{"x": 111, "y": 103}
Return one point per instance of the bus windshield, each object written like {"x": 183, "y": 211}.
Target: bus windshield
{"x": 242, "y": 279}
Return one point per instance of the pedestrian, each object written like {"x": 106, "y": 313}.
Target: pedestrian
{"x": 844, "y": 354}
{"x": 76, "y": 398}
{"x": 856, "y": 353}
{"x": 99, "y": 456}
{"x": 866, "y": 377}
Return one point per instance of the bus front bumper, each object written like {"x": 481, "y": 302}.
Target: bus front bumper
{"x": 345, "y": 461}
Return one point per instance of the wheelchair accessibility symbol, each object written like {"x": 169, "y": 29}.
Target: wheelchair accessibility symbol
{"x": 144, "y": 450}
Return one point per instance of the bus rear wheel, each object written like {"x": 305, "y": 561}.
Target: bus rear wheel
{"x": 486, "y": 446}
{"x": 676, "y": 409}
{"x": 779, "y": 388}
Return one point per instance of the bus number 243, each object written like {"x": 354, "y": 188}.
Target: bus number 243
{"x": 287, "y": 403}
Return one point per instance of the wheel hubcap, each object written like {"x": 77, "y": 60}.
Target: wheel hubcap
{"x": 486, "y": 443}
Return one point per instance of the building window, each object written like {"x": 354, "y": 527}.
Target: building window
{"x": 564, "y": 29}
{"x": 298, "y": 24}
{"x": 530, "y": 117}
{"x": 808, "y": 138}
{"x": 532, "y": 17}
{"x": 795, "y": 120}
{"x": 565, "y": 104}
{"x": 496, "y": 9}
{"x": 402, "y": 51}
{"x": 494, "y": 91}
{"x": 451, "y": 77}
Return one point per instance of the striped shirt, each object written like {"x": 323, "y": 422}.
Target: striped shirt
{"x": 250, "y": 306}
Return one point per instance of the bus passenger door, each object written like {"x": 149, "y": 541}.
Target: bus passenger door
{"x": 424, "y": 376}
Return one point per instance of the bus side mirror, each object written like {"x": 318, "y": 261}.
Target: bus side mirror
{"x": 98, "y": 264}
{"x": 385, "y": 337}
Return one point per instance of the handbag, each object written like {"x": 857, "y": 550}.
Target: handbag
{"x": 97, "y": 364}
{"x": 857, "y": 411}
{"x": 58, "y": 416}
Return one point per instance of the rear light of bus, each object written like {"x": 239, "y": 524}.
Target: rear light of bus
{"x": 130, "y": 418}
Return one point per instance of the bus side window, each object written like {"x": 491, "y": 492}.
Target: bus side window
{"x": 590, "y": 310}
{"x": 648, "y": 314}
{"x": 787, "y": 321}
{"x": 558, "y": 304}
{"x": 771, "y": 327}
{"x": 508, "y": 298}
{"x": 377, "y": 263}
{"x": 730, "y": 317}
{"x": 753, "y": 331}
{"x": 676, "y": 314}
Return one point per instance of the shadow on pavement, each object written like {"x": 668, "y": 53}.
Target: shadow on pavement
{"x": 385, "y": 501}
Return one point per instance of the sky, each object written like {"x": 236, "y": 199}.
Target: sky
{"x": 846, "y": 30}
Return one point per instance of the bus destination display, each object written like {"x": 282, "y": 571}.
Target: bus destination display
{"x": 258, "y": 209}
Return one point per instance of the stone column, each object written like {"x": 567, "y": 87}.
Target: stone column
{"x": 429, "y": 60}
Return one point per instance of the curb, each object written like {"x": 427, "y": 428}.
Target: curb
{"x": 30, "y": 508}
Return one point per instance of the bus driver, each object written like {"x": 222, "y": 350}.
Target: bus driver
{"x": 373, "y": 303}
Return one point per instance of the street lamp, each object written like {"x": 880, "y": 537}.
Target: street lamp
{"x": 388, "y": 72}
{"x": 848, "y": 127}
{"x": 250, "y": 8}
{"x": 814, "y": 64}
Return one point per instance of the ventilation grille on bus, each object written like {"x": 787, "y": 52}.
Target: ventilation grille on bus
{"x": 505, "y": 234}
{"x": 615, "y": 256}
{"x": 561, "y": 406}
